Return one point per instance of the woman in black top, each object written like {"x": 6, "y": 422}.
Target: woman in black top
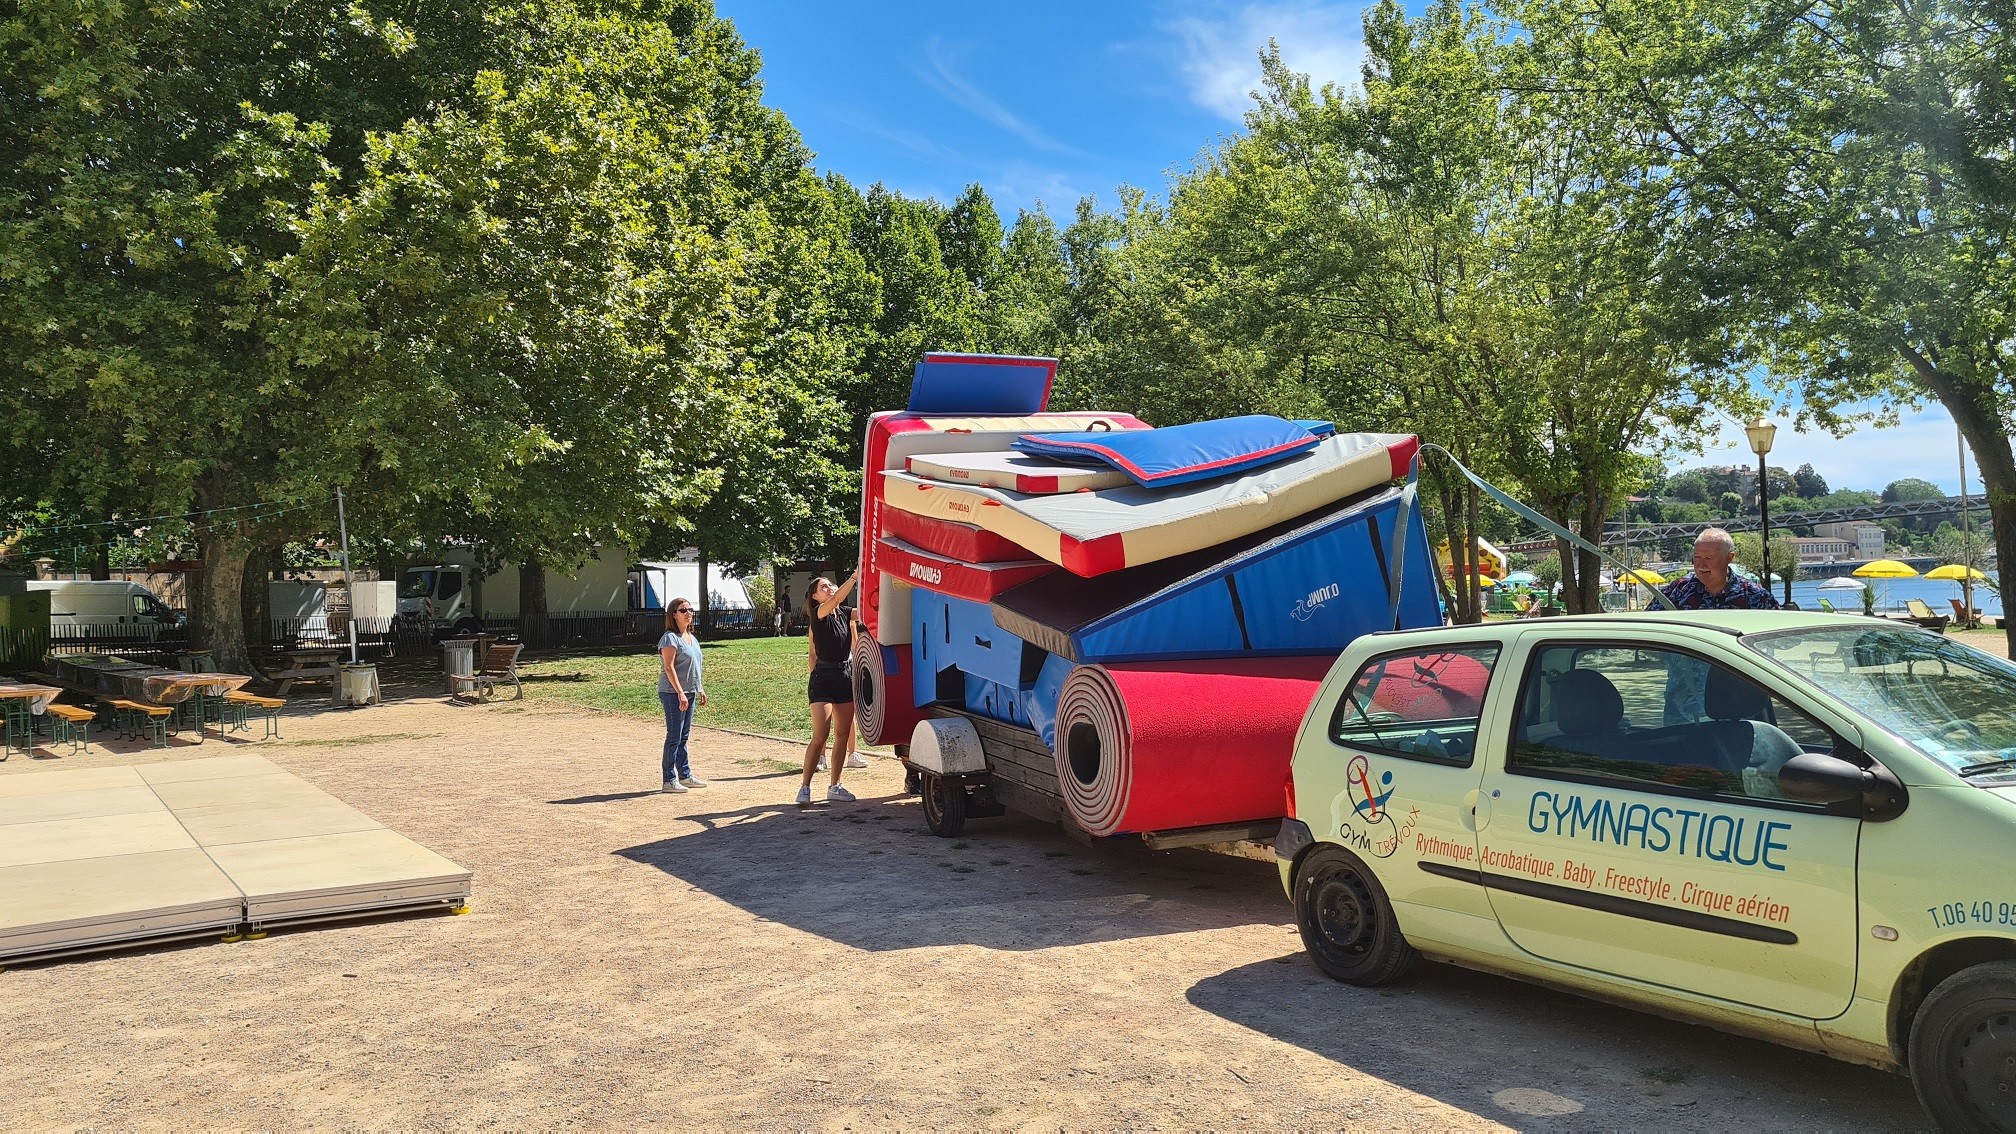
{"x": 830, "y": 689}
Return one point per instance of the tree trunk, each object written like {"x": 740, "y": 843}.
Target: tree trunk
{"x": 534, "y": 628}
{"x": 1586, "y": 597}
{"x": 1473, "y": 530}
{"x": 101, "y": 561}
{"x": 256, "y": 598}
{"x": 700, "y": 601}
{"x": 216, "y": 606}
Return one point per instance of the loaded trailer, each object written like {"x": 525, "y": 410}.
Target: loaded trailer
{"x": 1122, "y": 639}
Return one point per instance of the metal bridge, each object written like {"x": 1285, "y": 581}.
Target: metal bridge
{"x": 1648, "y": 533}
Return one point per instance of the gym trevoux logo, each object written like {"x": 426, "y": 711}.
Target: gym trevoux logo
{"x": 1306, "y": 609}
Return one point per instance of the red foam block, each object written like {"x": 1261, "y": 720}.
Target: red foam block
{"x": 967, "y": 543}
{"x": 979, "y": 582}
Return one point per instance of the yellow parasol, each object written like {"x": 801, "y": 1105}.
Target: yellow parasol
{"x": 1955, "y": 572}
{"x": 1641, "y": 575}
{"x": 1884, "y": 569}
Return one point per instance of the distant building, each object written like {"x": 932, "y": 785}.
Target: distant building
{"x": 1870, "y": 540}
{"x": 1823, "y": 549}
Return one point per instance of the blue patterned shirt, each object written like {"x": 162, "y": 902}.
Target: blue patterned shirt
{"x": 1740, "y": 594}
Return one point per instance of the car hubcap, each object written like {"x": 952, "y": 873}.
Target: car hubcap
{"x": 1986, "y": 1069}
{"x": 1344, "y": 914}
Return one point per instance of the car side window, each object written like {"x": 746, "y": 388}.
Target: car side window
{"x": 1650, "y": 717}
{"x": 1419, "y": 704}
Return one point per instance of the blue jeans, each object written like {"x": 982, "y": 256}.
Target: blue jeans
{"x": 678, "y": 726}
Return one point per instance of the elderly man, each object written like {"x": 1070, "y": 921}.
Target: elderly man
{"x": 1712, "y": 586}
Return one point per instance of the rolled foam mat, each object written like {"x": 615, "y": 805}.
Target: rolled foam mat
{"x": 883, "y": 707}
{"x": 1157, "y": 746}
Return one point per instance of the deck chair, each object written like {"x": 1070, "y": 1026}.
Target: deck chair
{"x": 1828, "y": 607}
{"x": 500, "y": 664}
{"x": 1922, "y": 615}
{"x": 1968, "y": 620}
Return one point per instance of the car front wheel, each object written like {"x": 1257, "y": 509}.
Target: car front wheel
{"x": 1963, "y": 1049}
{"x": 1346, "y": 922}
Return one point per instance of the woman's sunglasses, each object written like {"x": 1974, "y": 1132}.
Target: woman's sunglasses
{"x": 682, "y": 610}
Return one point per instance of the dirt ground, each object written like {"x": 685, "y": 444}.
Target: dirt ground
{"x": 723, "y": 959}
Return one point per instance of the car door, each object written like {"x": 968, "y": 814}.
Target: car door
{"x": 1633, "y": 826}
{"x": 1394, "y": 777}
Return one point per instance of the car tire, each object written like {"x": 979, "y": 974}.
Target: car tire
{"x": 1347, "y": 924}
{"x": 467, "y": 627}
{"x": 1963, "y": 1049}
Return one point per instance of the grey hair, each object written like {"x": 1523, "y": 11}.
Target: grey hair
{"x": 1718, "y": 537}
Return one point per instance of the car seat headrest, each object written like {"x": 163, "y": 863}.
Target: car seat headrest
{"x": 1585, "y": 702}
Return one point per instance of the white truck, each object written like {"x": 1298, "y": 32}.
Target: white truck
{"x": 103, "y": 602}
{"x": 455, "y": 595}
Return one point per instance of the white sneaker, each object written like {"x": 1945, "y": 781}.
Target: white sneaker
{"x": 804, "y": 797}
{"x": 674, "y": 787}
{"x": 856, "y": 760}
{"x": 695, "y": 781}
{"x": 838, "y": 794}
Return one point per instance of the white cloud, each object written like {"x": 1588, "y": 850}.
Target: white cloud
{"x": 941, "y": 71}
{"x": 1219, "y": 48}
{"x": 1923, "y": 445}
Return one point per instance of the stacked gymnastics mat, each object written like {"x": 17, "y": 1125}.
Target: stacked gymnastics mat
{"x": 1155, "y": 606}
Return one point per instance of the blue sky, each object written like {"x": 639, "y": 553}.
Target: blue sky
{"x": 1044, "y": 102}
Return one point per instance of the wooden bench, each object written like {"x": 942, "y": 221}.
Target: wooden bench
{"x": 500, "y": 664}
{"x": 239, "y": 703}
{"x": 71, "y": 725}
{"x": 137, "y": 719}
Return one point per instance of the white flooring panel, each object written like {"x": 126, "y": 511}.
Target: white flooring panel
{"x": 81, "y": 902}
{"x": 104, "y": 856}
{"x": 91, "y": 803}
{"x": 100, "y": 836}
{"x": 338, "y": 872}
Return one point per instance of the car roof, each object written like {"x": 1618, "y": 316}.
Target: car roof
{"x": 1733, "y": 622}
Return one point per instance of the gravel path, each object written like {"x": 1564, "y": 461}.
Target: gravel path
{"x": 723, "y": 959}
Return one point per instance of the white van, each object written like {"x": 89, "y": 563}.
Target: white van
{"x": 103, "y": 602}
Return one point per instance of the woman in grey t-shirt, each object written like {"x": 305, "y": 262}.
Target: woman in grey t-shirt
{"x": 679, "y": 691}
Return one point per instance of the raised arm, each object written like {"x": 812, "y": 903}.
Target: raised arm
{"x": 828, "y": 606}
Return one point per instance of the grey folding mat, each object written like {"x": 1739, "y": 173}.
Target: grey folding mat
{"x": 102, "y": 857}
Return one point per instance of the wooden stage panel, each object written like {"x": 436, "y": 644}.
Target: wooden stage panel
{"x": 103, "y": 857}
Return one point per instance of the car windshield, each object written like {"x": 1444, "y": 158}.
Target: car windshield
{"x": 419, "y": 584}
{"x": 1949, "y": 701}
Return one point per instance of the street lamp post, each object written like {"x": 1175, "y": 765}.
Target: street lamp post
{"x": 1761, "y": 434}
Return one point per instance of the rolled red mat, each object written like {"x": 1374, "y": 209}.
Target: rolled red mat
{"x": 883, "y": 708}
{"x": 1156, "y": 746}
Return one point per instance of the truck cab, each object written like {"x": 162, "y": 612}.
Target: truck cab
{"x": 439, "y": 595}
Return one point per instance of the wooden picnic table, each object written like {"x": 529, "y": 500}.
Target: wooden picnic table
{"x": 308, "y": 665}
{"x": 20, "y": 703}
{"x": 37, "y": 696}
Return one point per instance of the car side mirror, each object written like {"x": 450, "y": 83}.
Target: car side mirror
{"x": 1814, "y": 777}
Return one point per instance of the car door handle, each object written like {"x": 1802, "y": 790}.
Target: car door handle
{"x": 1475, "y": 811}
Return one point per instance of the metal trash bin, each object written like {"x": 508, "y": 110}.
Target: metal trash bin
{"x": 458, "y": 662}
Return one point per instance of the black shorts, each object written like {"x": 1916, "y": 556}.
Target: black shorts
{"x": 830, "y": 685}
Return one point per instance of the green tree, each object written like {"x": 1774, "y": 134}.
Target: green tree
{"x": 1810, "y": 484}
{"x": 486, "y": 266}
{"x": 1839, "y": 180}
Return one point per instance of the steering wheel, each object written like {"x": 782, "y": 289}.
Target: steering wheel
{"x": 1965, "y": 730}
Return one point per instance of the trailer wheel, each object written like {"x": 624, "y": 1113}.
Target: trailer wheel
{"x": 944, "y": 806}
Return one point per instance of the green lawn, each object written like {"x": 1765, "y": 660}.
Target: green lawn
{"x": 753, "y": 684}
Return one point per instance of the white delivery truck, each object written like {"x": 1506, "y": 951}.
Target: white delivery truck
{"x": 103, "y": 602}
{"x": 455, "y": 595}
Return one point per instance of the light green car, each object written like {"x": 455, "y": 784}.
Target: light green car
{"x": 1795, "y": 826}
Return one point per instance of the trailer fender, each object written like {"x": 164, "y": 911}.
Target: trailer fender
{"x": 948, "y": 747}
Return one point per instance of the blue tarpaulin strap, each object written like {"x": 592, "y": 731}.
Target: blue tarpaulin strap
{"x": 1407, "y": 499}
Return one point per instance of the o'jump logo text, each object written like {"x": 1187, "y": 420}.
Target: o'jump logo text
{"x": 1306, "y": 609}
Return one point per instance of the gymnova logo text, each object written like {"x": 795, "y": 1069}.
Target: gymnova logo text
{"x": 925, "y": 574}
{"x": 1306, "y": 609}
